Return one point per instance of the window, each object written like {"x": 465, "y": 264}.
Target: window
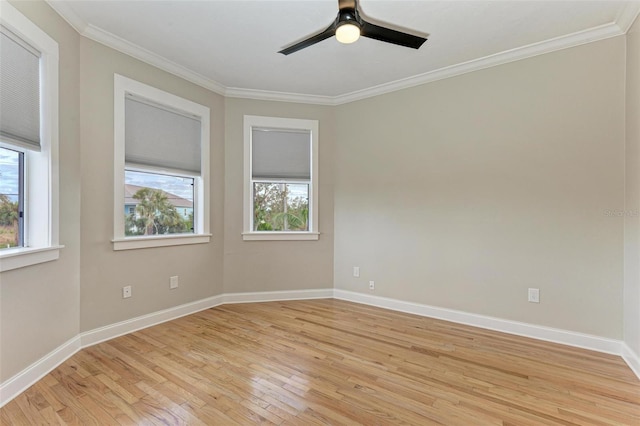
{"x": 11, "y": 198}
{"x": 157, "y": 204}
{"x": 281, "y": 179}
{"x": 161, "y": 158}
{"x": 28, "y": 142}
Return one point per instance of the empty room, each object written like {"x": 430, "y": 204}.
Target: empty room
{"x": 319, "y": 212}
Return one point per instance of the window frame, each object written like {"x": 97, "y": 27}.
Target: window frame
{"x": 41, "y": 180}
{"x": 201, "y": 234}
{"x": 248, "y": 234}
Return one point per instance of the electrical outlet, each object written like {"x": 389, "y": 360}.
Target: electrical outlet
{"x": 173, "y": 282}
{"x": 372, "y": 285}
{"x": 356, "y": 271}
{"x": 534, "y": 295}
{"x": 126, "y": 292}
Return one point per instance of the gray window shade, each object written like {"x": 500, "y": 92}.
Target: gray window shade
{"x": 280, "y": 154}
{"x": 156, "y": 136}
{"x": 19, "y": 92}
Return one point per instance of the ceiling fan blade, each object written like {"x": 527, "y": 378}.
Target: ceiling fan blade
{"x": 329, "y": 32}
{"x": 391, "y": 36}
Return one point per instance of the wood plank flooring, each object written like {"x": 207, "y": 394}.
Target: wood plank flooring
{"x": 328, "y": 362}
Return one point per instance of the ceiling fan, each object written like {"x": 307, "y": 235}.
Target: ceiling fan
{"x": 349, "y": 26}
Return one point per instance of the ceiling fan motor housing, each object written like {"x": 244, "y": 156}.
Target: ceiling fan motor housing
{"x": 348, "y": 16}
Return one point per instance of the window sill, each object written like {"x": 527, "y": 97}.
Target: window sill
{"x": 23, "y": 257}
{"x": 280, "y": 236}
{"x": 133, "y": 243}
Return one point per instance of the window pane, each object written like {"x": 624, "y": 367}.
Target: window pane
{"x": 157, "y": 204}
{"x": 280, "y": 206}
{"x": 10, "y": 197}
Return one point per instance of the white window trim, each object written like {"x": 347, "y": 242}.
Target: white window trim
{"x": 41, "y": 174}
{"x": 123, "y": 86}
{"x": 248, "y": 234}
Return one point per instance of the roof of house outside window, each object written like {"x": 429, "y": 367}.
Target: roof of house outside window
{"x": 177, "y": 201}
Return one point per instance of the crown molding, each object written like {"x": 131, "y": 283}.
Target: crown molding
{"x": 628, "y": 15}
{"x": 66, "y": 12}
{"x": 623, "y": 22}
{"x": 110, "y": 40}
{"x": 571, "y": 40}
{"x": 265, "y": 95}
{"x": 144, "y": 55}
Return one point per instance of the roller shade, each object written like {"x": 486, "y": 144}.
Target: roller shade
{"x": 19, "y": 91}
{"x": 160, "y": 137}
{"x": 280, "y": 154}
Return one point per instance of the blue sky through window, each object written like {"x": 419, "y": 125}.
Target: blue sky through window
{"x": 172, "y": 184}
{"x": 9, "y": 173}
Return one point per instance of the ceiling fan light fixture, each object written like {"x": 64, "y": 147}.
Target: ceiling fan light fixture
{"x": 347, "y": 33}
{"x": 349, "y": 26}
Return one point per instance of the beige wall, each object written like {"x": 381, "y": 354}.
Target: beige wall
{"x": 632, "y": 191}
{"x": 103, "y": 271}
{"x": 464, "y": 192}
{"x": 39, "y": 305}
{"x": 251, "y": 266}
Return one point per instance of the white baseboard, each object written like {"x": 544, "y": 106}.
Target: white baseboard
{"x": 631, "y": 358}
{"x": 111, "y": 331}
{"x": 549, "y": 334}
{"x": 272, "y": 296}
{"x": 21, "y": 381}
{"x": 36, "y": 371}
{"x": 129, "y": 326}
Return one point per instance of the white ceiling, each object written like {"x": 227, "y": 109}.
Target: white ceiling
{"x": 231, "y": 46}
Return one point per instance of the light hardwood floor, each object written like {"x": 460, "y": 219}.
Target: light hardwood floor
{"x": 328, "y": 362}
